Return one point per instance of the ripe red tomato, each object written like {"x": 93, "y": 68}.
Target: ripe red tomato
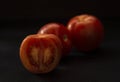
{"x": 61, "y": 31}
{"x": 86, "y": 31}
{"x": 40, "y": 53}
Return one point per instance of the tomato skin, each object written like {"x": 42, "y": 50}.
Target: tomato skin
{"x": 62, "y": 32}
{"x": 40, "y": 53}
{"x": 86, "y": 31}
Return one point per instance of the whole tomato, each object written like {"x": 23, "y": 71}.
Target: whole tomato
{"x": 40, "y": 53}
{"x": 61, "y": 31}
{"x": 86, "y": 31}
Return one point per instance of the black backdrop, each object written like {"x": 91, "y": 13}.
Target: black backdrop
{"x": 24, "y": 9}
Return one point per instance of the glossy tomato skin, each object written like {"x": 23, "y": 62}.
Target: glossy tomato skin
{"x": 87, "y": 32}
{"x": 40, "y": 53}
{"x": 62, "y": 32}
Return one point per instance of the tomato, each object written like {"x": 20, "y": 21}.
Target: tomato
{"x": 40, "y": 53}
{"x": 87, "y": 32}
{"x": 62, "y": 32}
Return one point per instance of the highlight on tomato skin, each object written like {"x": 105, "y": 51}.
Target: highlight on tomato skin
{"x": 87, "y": 32}
{"x": 61, "y": 31}
{"x": 40, "y": 53}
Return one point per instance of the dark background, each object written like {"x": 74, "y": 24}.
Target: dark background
{"x": 19, "y": 18}
{"x": 32, "y": 9}
{"x": 39, "y": 12}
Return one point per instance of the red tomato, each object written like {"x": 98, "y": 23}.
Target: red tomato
{"x": 61, "y": 31}
{"x": 86, "y": 31}
{"x": 40, "y": 53}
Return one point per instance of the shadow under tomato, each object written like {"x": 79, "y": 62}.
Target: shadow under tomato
{"x": 100, "y": 53}
{"x": 56, "y": 74}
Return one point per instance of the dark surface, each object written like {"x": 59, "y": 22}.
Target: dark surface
{"x": 102, "y": 65}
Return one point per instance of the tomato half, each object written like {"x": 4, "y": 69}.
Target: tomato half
{"x": 40, "y": 53}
